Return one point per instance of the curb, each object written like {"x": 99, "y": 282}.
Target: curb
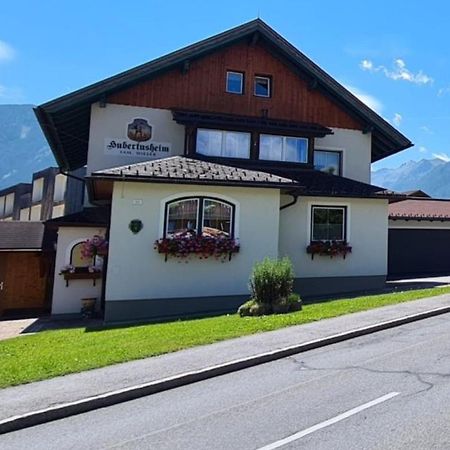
{"x": 130, "y": 393}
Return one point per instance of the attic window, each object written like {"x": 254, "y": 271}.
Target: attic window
{"x": 262, "y": 86}
{"x": 235, "y": 82}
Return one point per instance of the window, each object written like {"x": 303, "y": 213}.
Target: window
{"x": 235, "y": 82}
{"x": 262, "y": 86}
{"x": 328, "y": 161}
{"x": 229, "y": 144}
{"x": 202, "y": 215}
{"x": 283, "y": 148}
{"x": 77, "y": 259}
{"x": 328, "y": 223}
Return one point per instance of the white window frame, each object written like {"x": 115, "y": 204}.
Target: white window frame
{"x": 213, "y": 195}
{"x": 269, "y": 85}
{"x": 242, "y": 82}
{"x": 283, "y": 149}
{"x": 223, "y": 140}
{"x": 334, "y": 149}
{"x": 330, "y": 203}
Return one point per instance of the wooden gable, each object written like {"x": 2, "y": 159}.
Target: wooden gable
{"x": 201, "y": 87}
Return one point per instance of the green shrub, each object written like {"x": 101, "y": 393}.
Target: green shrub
{"x": 272, "y": 280}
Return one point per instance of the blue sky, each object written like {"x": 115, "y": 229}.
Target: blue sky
{"x": 395, "y": 57}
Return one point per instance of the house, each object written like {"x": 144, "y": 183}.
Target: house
{"x": 419, "y": 236}
{"x": 239, "y": 143}
{"x": 26, "y": 267}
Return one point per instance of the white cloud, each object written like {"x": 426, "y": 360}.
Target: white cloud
{"x": 426, "y": 129}
{"x": 443, "y": 156}
{"x": 423, "y": 149}
{"x": 399, "y": 71}
{"x": 371, "y": 101}
{"x": 443, "y": 91}
{"x": 397, "y": 119}
{"x": 9, "y": 174}
{"x": 24, "y": 131}
{"x": 6, "y": 51}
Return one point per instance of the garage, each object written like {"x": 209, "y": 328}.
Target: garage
{"x": 419, "y": 238}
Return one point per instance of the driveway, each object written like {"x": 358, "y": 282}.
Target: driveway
{"x": 13, "y": 328}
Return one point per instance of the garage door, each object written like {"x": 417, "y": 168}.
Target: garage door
{"x": 418, "y": 252}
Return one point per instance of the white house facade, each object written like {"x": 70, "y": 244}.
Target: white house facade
{"x": 206, "y": 161}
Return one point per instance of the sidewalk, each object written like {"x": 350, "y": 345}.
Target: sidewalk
{"x": 40, "y": 395}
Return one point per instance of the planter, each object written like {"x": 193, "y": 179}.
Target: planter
{"x": 82, "y": 276}
{"x": 88, "y": 306}
{"x": 187, "y": 244}
{"x": 329, "y": 248}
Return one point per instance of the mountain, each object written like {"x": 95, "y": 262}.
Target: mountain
{"x": 23, "y": 147}
{"x": 429, "y": 175}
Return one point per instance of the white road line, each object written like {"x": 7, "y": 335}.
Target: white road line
{"x": 319, "y": 426}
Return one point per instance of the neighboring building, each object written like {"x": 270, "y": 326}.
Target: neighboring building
{"x": 14, "y": 200}
{"x": 51, "y": 194}
{"x": 419, "y": 237}
{"x": 241, "y": 137}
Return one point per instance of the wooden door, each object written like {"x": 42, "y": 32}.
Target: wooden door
{"x": 24, "y": 281}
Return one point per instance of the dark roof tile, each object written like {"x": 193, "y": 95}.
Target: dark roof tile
{"x": 194, "y": 171}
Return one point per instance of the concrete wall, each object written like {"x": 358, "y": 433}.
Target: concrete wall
{"x": 356, "y": 152}
{"x": 67, "y": 300}
{"x": 111, "y": 122}
{"x": 136, "y": 271}
{"x": 367, "y": 229}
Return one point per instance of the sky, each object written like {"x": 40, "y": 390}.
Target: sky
{"x": 392, "y": 55}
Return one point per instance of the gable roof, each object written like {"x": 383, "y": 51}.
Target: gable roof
{"x": 179, "y": 169}
{"x": 65, "y": 121}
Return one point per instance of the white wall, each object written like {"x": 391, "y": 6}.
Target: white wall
{"x": 112, "y": 122}
{"x": 67, "y": 300}
{"x": 137, "y": 271}
{"x": 367, "y": 229}
{"x": 58, "y": 211}
{"x": 9, "y": 204}
{"x": 356, "y": 151}
{"x": 25, "y": 214}
{"x": 35, "y": 213}
{"x": 60, "y": 188}
{"x": 38, "y": 189}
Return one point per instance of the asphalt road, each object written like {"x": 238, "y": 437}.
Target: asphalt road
{"x": 388, "y": 390}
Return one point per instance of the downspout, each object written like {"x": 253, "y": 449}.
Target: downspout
{"x": 291, "y": 203}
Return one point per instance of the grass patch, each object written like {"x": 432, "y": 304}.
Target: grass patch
{"x": 52, "y": 353}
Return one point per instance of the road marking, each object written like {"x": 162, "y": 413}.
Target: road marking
{"x": 327, "y": 423}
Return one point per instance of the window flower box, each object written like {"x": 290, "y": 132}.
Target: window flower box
{"x": 183, "y": 245}
{"x": 81, "y": 273}
{"x": 328, "y": 248}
